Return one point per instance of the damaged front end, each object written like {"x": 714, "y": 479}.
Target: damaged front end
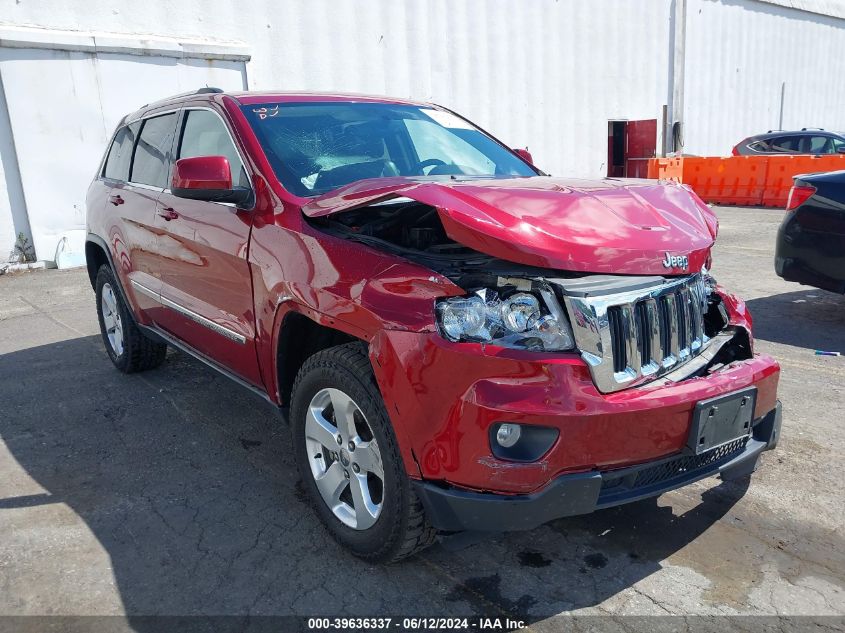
{"x": 629, "y": 329}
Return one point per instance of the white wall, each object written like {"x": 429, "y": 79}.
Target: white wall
{"x": 740, "y": 52}
{"x": 545, "y": 73}
{"x": 61, "y": 107}
{"x": 548, "y": 74}
{"x": 13, "y": 216}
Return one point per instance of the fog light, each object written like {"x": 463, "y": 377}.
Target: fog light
{"x": 508, "y": 435}
{"x": 521, "y": 442}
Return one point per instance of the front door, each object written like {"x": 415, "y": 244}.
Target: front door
{"x": 206, "y": 287}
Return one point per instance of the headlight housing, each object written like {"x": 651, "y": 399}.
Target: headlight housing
{"x": 519, "y": 320}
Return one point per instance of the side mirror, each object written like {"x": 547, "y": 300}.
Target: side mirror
{"x": 207, "y": 178}
{"x": 525, "y": 155}
{"x": 841, "y": 149}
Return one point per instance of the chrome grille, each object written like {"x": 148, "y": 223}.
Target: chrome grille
{"x": 631, "y": 337}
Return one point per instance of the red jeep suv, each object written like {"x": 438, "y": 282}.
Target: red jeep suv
{"x": 460, "y": 341}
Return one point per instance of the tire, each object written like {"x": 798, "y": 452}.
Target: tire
{"x": 399, "y": 528}
{"x": 126, "y": 345}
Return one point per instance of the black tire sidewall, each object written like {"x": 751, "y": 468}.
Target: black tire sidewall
{"x": 383, "y": 537}
{"x": 105, "y": 276}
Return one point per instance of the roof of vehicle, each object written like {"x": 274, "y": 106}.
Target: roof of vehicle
{"x": 270, "y": 96}
{"x": 802, "y": 132}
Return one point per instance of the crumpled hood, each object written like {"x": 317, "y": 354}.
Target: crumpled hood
{"x": 602, "y": 226}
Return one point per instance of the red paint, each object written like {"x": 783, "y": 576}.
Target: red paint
{"x": 603, "y": 226}
{"x": 202, "y": 172}
{"x": 525, "y": 155}
{"x": 640, "y": 145}
{"x": 246, "y": 270}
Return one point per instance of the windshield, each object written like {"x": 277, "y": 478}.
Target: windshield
{"x": 315, "y": 147}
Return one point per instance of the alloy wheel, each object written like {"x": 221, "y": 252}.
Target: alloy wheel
{"x": 344, "y": 458}
{"x": 111, "y": 319}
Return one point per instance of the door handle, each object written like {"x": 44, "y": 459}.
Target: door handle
{"x": 168, "y": 213}
{"x": 116, "y": 199}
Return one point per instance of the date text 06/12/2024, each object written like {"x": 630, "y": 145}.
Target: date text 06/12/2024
{"x": 416, "y": 623}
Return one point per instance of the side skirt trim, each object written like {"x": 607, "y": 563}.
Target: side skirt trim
{"x": 156, "y": 333}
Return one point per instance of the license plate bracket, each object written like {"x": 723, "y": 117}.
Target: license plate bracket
{"x": 723, "y": 419}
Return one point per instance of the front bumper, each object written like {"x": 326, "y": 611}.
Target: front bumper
{"x": 452, "y": 509}
{"x": 444, "y": 398}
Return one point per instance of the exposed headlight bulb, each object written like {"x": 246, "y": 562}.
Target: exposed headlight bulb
{"x": 520, "y": 312}
{"x": 521, "y": 320}
{"x": 463, "y": 316}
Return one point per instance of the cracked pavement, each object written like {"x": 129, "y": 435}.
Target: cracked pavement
{"x": 174, "y": 491}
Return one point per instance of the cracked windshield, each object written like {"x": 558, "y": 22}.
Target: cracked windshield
{"x": 317, "y": 147}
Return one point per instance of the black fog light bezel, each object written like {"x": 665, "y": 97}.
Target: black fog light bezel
{"x": 534, "y": 442}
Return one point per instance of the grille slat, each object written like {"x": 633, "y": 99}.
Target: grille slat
{"x": 643, "y": 332}
{"x": 628, "y": 336}
{"x": 620, "y": 359}
{"x": 674, "y": 351}
{"x": 655, "y": 335}
{"x": 684, "y": 323}
{"x": 631, "y": 332}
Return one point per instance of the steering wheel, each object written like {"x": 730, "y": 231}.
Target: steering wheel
{"x": 429, "y": 162}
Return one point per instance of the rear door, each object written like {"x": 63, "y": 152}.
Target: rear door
{"x": 786, "y": 144}
{"x": 202, "y": 248}
{"x": 129, "y": 230}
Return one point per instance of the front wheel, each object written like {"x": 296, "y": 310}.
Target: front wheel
{"x": 349, "y": 459}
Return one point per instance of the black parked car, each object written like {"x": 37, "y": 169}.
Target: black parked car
{"x": 811, "y": 239}
{"x": 804, "y": 141}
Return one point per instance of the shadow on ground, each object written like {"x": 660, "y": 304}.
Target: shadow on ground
{"x": 821, "y": 316}
{"x": 188, "y": 483}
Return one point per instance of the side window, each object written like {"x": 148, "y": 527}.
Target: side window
{"x": 838, "y": 145}
{"x": 205, "y": 134}
{"x": 820, "y": 145}
{"x": 785, "y": 143}
{"x": 120, "y": 153}
{"x": 151, "y": 162}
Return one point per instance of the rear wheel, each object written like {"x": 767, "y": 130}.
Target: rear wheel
{"x": 349, "y": 459}
{"x": 126, "y": 345}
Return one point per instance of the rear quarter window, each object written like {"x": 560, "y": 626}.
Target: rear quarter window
{"x": 120, "y": 153}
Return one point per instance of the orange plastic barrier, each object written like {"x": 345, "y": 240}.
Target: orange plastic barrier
{"x": 742, "y": 180}
{"x": 734, "y": 180}
{"x": 781, "y": 169}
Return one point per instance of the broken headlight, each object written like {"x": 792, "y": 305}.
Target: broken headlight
{"x": 521, "y": 320}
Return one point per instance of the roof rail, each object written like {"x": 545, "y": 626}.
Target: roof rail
{"x": 804, "y": 129}
{"x": 200, "y": 91}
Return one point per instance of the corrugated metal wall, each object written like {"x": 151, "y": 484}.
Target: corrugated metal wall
{"x": 738, "y": 55}
{"x": 542, "y": 73}
{"x": 547, "y": 74}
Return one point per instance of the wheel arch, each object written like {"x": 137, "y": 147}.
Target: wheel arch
{"x": 299, "y": 337}
{"x": 96, "y": 256}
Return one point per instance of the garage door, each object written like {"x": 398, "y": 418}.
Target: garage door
{"x": 62, "y": 109}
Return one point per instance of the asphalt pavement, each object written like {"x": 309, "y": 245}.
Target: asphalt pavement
{"x": 174, "y": 491}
